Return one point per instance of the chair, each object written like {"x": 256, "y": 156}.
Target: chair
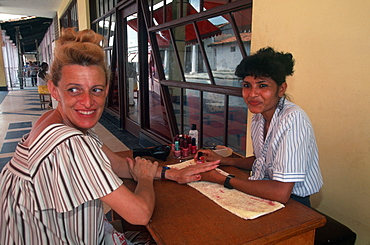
{"x": 45, "y": 100}
{"x": 45, "y": 97}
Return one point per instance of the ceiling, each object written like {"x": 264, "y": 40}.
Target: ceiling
{"x": 31, "y": 29}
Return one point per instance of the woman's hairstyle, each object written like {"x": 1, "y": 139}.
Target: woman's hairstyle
{"x": 266, "y": 62}
{"x": 77, "y": 48}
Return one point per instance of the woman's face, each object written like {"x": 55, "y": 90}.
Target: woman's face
{"x": 81, "y": 94}
{"x": 262, "y": 95}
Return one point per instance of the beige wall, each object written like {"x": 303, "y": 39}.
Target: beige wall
{"x": 330, "y": 42}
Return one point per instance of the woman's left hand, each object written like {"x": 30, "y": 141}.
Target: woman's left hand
{"x": 191, "y": 173}
{"x": 142, "y": 168}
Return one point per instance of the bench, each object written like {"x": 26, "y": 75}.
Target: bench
{"x": 334, "y": 232}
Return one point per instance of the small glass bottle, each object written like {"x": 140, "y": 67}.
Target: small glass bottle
{"x": 193, "y": 133}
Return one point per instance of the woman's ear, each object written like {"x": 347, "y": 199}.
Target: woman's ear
{"x": 282, "y": 89}
{"x": 53, "y": 90}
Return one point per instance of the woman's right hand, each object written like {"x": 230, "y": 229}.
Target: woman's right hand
{"x": 142, "y": 168}
{"x": 208, "y": 155}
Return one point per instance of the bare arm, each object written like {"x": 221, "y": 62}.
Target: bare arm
{"x": 119, "y": 164}
{"x": 181, "y": 176}
{"x": 267, "y": 189}
{"x": 135, "y": 207}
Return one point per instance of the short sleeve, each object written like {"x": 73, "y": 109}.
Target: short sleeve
{"x": 293, "y": 149}
{"x": 80, "y": 172}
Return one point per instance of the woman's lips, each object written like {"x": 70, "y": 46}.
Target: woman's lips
{"x": 254, "y": 103}
{"x": 86, "y": 112}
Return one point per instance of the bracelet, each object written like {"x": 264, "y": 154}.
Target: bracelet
{"x": 227, "y": 181}
{"x": 163, "y": 173}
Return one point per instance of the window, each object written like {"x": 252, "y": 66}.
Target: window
{"x": 70, "y": 18}
{"x": 199, "y": 44}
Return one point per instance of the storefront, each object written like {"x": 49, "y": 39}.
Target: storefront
{"x": 172, "y": 65}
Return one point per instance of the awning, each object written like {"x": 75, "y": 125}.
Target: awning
{"x": 206, "y": 28}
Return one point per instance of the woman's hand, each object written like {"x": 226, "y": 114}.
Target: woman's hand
{"x": 142, "y": 168}
{"x": 208, "y": 155}
{"x": 191, "y": 173}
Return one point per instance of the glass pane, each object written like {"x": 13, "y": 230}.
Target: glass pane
{"x": 74, "y": 17}
{"x": 113, "y": 98}
{"x": 101, "y": 27}
{"x": 101, "y": 7}
{"x": 158, "y": 115}
{"x": 222, "y": 52}
{"x": 243, "y": 20}
{"x": 106, "y": 27}
{"x": 106, "y": 6}
{"x": 132, "y": 65}
{"x": 213, "y": 119}
{"x": 237, "y": 124}
{"x": 214, "y": 3}
{"x": 112, "y": 30}
{"x": 191, "y": 109}
{"x": 169, "y": 61}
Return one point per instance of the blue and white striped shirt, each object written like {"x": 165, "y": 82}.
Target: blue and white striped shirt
{"x": 289, "y": 151}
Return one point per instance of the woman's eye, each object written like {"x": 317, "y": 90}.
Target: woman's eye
{"x": 97, "y": 90}
{"x": 246, "y": 85}
{"x": 73, "y": 90}
{"x": 263, "y": 85}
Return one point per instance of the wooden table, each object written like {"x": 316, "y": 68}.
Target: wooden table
{"x": 183, "y": 215}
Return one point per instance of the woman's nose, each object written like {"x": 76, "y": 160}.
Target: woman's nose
{"x": 253, "y": 92}
{"x": 86, "y": 99}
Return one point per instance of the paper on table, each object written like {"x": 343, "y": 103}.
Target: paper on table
{"x": 239, "y": 203}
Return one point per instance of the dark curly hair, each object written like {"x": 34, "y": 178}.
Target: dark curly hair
{"x": 266, "y": 62}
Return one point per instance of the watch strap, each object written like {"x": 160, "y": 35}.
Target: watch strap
{"x": 227, "y": 181}
{"x": 163, "y": 173}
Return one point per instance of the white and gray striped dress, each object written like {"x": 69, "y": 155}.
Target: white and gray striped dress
{"x": 289, "y": 152}
{"x": 50, "y": 190}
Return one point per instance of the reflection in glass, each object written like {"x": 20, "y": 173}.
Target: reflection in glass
{"x": 113, "y": 98}
{"x": 157, "y": 111}
{"x": 131, "y": 71}
{"x": 191, "y": 109}
{"x": 237, "y": 124}
{"x": 213, "y": 119}
{"x": 112, "y": 31}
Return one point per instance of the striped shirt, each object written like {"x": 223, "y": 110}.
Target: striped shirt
{"x": 50, "y": 190}
{"x": 289, "y": 152}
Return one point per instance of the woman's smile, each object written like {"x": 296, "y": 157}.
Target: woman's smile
{"x": 81, "y": 92}
{"x": 262, "y": 95}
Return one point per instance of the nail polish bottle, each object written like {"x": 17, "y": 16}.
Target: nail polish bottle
{"x": 193, "y": 148}
{"x": 177, "y": 152}
{"x": 185, "y": 150}
{"x": 200, "y": 158}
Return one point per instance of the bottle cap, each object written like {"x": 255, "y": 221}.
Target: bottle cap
{"x": 200, "y": 154}
{"x": 193, "y": 127}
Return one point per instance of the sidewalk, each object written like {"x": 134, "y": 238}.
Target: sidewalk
{"x": 19, "y": 110}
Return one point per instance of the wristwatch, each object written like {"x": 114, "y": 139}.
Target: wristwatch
{"x": 163, "y": 173}
{"x": 227, "y": 181}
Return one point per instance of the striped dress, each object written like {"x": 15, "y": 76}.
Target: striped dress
{"x": 50, "y": 190}
{"x": 289, "y": 152}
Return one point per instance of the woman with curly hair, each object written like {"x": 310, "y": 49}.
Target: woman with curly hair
{"x": 285, "y": 163}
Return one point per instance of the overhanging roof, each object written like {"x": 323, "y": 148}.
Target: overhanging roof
{"x": 32, "y": 31}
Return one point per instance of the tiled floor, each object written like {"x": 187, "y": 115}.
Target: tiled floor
{"x": 19, "y": 110}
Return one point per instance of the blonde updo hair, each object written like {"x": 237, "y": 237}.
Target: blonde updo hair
{"x": 77, "y": 48}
